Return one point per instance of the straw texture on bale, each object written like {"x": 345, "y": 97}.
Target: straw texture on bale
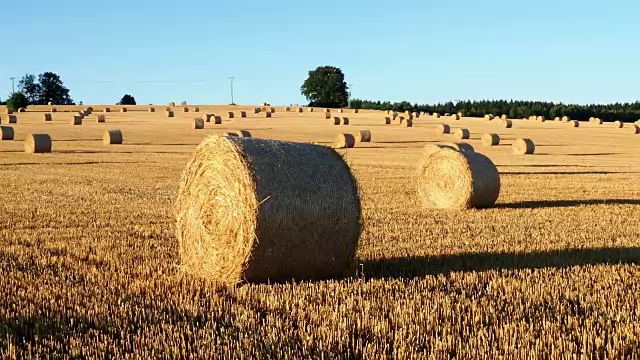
{"x": 152, "y": 110}
{"x": 37, "y": 143}
{"x": 124, "y": 110}
{"x": 455, "y": 117}
{"x": 406, "y": 123}
{"x": 363, "y": 136}
{"x": 267, "y": 114}
{"x": 239, "y": 220}
{"x": 461, "y": 133}
{"x": 112, "y": 137}
{"x": 241, "y": 133}
{"x": 488, "y": 117}
{"x": 344, "y": 121}
{"x": 541, "y": 119}
{"x": 386, "y": 120}
{"x": 101, "y": 118}
{"x": 344, "y": 141}
{"x": 169, "y": 113}
{"x": 507, "y": 124}
{"x": 198, "y": 123}
{"x": 566, "y": 118}
{"x": 490, "y": 139}
{"x": 47, "y": 117}
{"x": 76, "y": 120}
{"x": 6, "y": 133}
{"x": 504, "y": 117}
{"x": 573, "y": 123}
{"x": 634, "y": 129}
{"x": 523, "y": 146}
{"x": 451, "y": 179}
{"x": 443, "y": 128}
{"x": 618, "y": 124}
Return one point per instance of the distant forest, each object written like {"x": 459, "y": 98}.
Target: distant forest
{"x": 627, "y": 112}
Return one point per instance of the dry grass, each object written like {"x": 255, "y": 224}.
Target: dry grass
{"x": 90, "y": 265}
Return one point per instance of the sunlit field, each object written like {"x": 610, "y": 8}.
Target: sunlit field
{"x": 89, "y": 263}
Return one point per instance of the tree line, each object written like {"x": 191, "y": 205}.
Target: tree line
{"x": 627, "y": 112}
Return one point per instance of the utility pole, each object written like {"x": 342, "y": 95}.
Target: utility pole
{"x": 13, "y": 89}
{"x": 349, "y": 96}
{"x": 231, "y": 82}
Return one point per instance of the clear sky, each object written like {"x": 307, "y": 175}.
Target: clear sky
{"x": 417, "y": 50}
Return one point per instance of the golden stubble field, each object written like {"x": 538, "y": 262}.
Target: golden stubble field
{"x": 89, "y": 263}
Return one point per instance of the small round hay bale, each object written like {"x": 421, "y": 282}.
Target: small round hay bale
{"x": 37, "y": 144}
{"x": 185, "y": 109}
{"x": 8, "y": 111}
{"x": 597, "y": 121}
{"x": 21, "y": 110}
{"x": 327, "y": 115}
{"x": 167, "y": 108}
{"x": 101, "y": 118}
{"x": 241, "y": 133}
{"x": 386, "y": 120}
{"x": 327, "y": 110}
{"x": 310, "y": 109}
{"x": 196, "y": 109}
{"x": 169, "y": 113}
{"x": 198, "y": 123}
{"x": 461, "y": 134}
{"x": 54, "y": 110}
{"x": 257, "y": 110}
{"x": 336, "y": 120}
{"x": 447, "y": 114}
{"x": 272, "y": 110}
{"x": 406, "y": 123}
{"x": 508, "y": 124}
{"x": 124, "y": 110}
{"x": 6, "y": 133}
{"x": 152, "y": 109}
{"x": 363, "y": 136}
{"x": 557, "y": 118}
{"x": 394, "y": 116}
{"x": 242, "y": 114}
{"x": 566, "y": 118}
{"x": 489, "y": 139}
{"x": 267, "y": 114}
{"x": 184, "y": 103}
{"x": 633, "y": 129}
{"x": 488, "y": 117}
{"x": 106, "y": 110}
{"x": 573, "y": 123}
{"x": 287, "y": 109}
{"x": 355, "y": 111}
{"x": 230, "y": 115}
{"x": 523, "y": 146}
{"x": 240, "y": 221}
{"x": 47, "y": 116}
{"x": 541, "y": 119}
{"x": 344, "y": 141}
{"x": 415, "y": 115}
{"x": 344, "y": 121}
{"x": 591, "y": 119}
{"x": 504, "y": 117}
{"x": 341, "y": 110}
{"x": 76, "y": 120}
{"x": 618, "y": 124}
{"x": 299, "y": 110}
{"x": 217, "y": 120}
{"x": 443, "y": 129}
{"x": 455, "y": 117}
{"x": 112, "y": 137}
{"x": 12, "y": 119}
{"x": 460, "y": 114}
{"x": 450, "y": 179}
{"x": 207, "y": 117}
{"x": 533, "y": 118}
{"x": 436, "y": 115}
{"x": 172, "y": 104}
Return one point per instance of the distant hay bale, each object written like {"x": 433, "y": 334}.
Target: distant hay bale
{"x": 310, "y": 109}
{"x": 47, "y": 117}
{"x": 341, "y": 111}
{"x": 460, "y": 114}
{"x": 172, "y": 104}
{"x": 272, "y": 110}
{"x": 523, "y": 146}
{"x": 169, "y": 113}
{"x": 230, "y": 115}
{"x": 533, "y": 118}
{"x": 257, "y": 110}
{"x": 461, "y": 134}
{"x": 184, "y": 103}
{"x": 76, "y": 120}
{"x": 112, "y": 137}
{"x": 557, "y": 119}
{"x": 240, "y": 221}
{"x": 394, "y": 116}
{"x": 287, "y": 109}
{"x": 565, "y": 118}
{"x": 106, "y": 110}
{"x": 8, "y": 111}
{"x": 344, "y": 141}
{"x": 455, "y": 117}
{"x": 327, "y": 110}
{"x": 447, "y": 114}
{"x": 185, "y": 109}
{"x": 300, "y": 110}
{"x": 37, "y": 144}
{"x": 488, "y": 117}
{"x": 450, "y": 179}
{"x": 443, "y": 129}
{"x": 406, "y": 123}
{"x": 12, "y": 119}
{"x": 596, "y": 121}
{"x": 241, "y": 133}
{"x": 167, "y": 109}
{"x": 504, "y": 117}
{"x": 242, "y": 114}
{"x": 363, "y": 136}
{"x": 573, "y": 123}
{"x": 345, "y": 121}
{"x": 152, "y": 109}
{"x": 591, "y": 119}
{"x": 54, "y": 110}
{"x": 508, "y": 124}
{"x": 355, "y": 111}
{"x": 327, "y": 115}
{"x": 336, "y": 120}
{"x": 198, "y": 123}
{"x": 6, "y": 133}
{"x": 217, "y": 120}
{"x": 415, "y": 115}
{"x": 124, "y": 109}
{"x": 618, "y": 124}
{"x": 490, "y": 139}
{"x": 101, "y": 118}
{"x": 21, "y": 110}
{"x": 541, "y": 119}
{"x": 267, "y": 114}
{"x": 436, "y": 115}
{"x": 207, "y": 117}
{"x": 386, "y": 120}
{"x": 196, "y": 109}
{"x": 634, "y": 129}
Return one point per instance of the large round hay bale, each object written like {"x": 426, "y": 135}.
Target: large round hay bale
{"x": 523, "y": 146}
{"x": 8, "y": 111}
{"x": 461, "y": 134}
{"x": 106, "y": 110}
{"x": 363, "y": 136}
{"x": 242, "y": 114}
{"x": 406, "y": 123}
{"x": 488, "y": 117}
{"x": 196, "y": 109}
{"x": 566, "y": 118}
{"x": 336, "y": 120}
{"x": 12, "y": 119}
{"x": 267, "y": 114}
{"x": 6, "y": 133}
{"x": 489, "y": 139}
{"x": 633, "y": 129}
{"x": 198, "y": 123}
{"x": 172, "y": 104}
{"x": 230, "y": 115}
{"x": 436, "y": 115}
{"x": 386, "y": 120}
{"x": 169, "y": 113}
{"x": 37, "y": 144}
{"x": 101, "y": 118}
{"x": 257, "y": 110}
{"x": 573, "y": 123}
{"x": 443, "y": 129}
{"x": 239, "y": 220}
{"x": 455, "y": 116}
{"x": 47, "y": 117}
{"x": 300, "y": 109}
{"x": 450, "y": 179}
{"x": 76, "y": 120}
{"x": 541, "y": 119}
{"x": 327, "y": 115}
{"x": 241, "y": 133}
{"x": 112, "y": 137}
{"x": 185, "y": 109}
{"x": 344, "y": 141}
{"x": 504, "y": 117}
{"x": 618, "y": 124}
{"x": 508, "y": 124}
{"x": 21, "y": 110}
{"x": 217, "y": 120}
{"x": 344, "y": 121}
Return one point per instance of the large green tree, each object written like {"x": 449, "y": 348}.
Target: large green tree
{"x": 17, "y": 101}
{"x": 48, "y": 88}
{"x": 325, "y": 87}
{"x": 127, "y": 100}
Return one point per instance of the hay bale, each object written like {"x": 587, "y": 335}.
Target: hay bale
{"x": 184, "y": 103}
{"x": 272, "y": 110}
{"x": 533, "y": 118}
{"x": 242, "y": 114}
{"x": 573, "y": 123}
{"x": 124, "y": 110}
{"x": 355, "y": 111}
{"x": 450, "y": 179}
{"x": 618, "y": 124}
{"x": 565, "y": 118}
{"x": 488, "y": 117}
{"x": 8, "y": 111}
{"x": 230, "y": 115}
{"x": 310, "y": 109}
{"x": 541, "y": 119}
{"x": 267, "y": 114}
{"x": 436, "y": 115}
{"x": 508, "y": 124}
{"x": 406, "y": 123}
{"x": 557, "y": 119}
{"x": 341, "y": 111}
{"x": 447, "y": 114}
{"x": 386, "y": 120}
{"x": 443, "y": 129}
{"x": 54, "y": 110}
{"x": 415, "y": 115}
{"x": 172, "y": 104}
{"x": 102, "y": 118}
{"x": 344, "y": 141}
{"x": 185, "y": 109}
{"x": 596, "y": 121}
{"x": 257, "y": 110}
{"x": 198, "y": 123}
{"x": 634, "y": 129}
{"x": 239, "y": 220}
{"x": 106, "y": 110}
{"x": 345, "y": 121}
{"x": 241, "y": 133}
{"x": 327, "y": 110}
{"x": 76, "y": 120}
{"x": 196, "y": 109}
{"x": 300, "y": 110}
{"x": 12, "y": 119}
{"x": 504, "y": 117}
{"x": 37, "y": 144}
{"x": 287, "y": 109}
{"x": 47, "y": 117}
{"x": 363, "y": 136}
{"x": 6, "y": 133}
{"x": 21, "y": 110}
{"x": 49, "y": 103}
{"x": 207, "y": 117}
{"x": 327, "y": 115}
{"x": 112, "y": 137}
{"x": 455, "y": 117}
{"x": 169, "y": 113}
{"x": 217, "y": 120}
{"x": 461, "y": 134}
{"x": 394, "y": 116}
{"x": 490, "y": 139}
{"x": 152, "y": 109}
{"x": 460, "y": 114}
{"x": 523, "y": 146}
{"x": 336, "y": 120}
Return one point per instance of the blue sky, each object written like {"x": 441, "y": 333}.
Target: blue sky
{"x": 420, "y": 51}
